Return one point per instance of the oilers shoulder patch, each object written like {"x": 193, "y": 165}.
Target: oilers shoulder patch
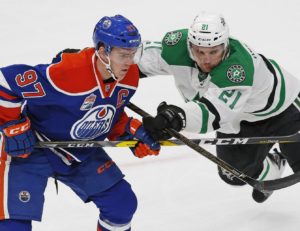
{"x": 236, "y": 74}
{"x": 24, "y": 196}
{"x": 172, "y": 38}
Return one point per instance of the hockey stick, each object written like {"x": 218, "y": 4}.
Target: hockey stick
{"x": 269, "y": 185}
{"x": 175, "y": 142}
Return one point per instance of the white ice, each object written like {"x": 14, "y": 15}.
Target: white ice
{"x": 180, "y": 189}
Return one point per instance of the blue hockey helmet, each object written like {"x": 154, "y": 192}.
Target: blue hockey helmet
{"x": 116, "y": 31}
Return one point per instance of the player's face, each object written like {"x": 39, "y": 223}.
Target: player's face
{"x": 207, "y": 58}
{"x": 121, "y": 59}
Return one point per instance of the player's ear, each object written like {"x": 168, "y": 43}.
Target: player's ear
{"x": 102, "y": 53}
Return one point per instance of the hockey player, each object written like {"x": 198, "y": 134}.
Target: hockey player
{"x": 228, "y": 88}
{"x": 79, "y": 96}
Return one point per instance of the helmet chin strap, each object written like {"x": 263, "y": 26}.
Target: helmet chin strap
{"x": 107, "y": 65}
{"x": 226, "y": 50}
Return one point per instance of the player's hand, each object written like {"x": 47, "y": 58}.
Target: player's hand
{"x": 168, "y": 116}
{"x": 16, "y": 138}
{"x": 146, "y": 144}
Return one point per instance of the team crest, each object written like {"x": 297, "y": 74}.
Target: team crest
{"x": 106, "y": 24}
{"x": 94, "y": 123}
{"x": 172, "y": 38}
{"x": 88, "y": 102}
{"x": 24, "y": 196}
{"x": 236, "y": 74}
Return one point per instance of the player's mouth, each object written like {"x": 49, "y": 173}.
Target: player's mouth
{"x": 206, "y": 68}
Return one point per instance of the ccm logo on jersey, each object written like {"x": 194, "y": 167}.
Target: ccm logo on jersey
{"x": 17, "y": 129}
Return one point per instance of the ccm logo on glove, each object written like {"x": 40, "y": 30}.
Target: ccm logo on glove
{"x": 17, "y": 129}
{"x": 17, "y": 138}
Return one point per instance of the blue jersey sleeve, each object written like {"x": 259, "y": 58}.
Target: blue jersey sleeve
{"x": 24, "y": 81}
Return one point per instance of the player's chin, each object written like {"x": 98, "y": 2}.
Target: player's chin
{"x": 122, "y": 74}
{"x": 206, "y": 69}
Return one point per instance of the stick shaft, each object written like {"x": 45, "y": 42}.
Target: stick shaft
{"x": 260, "y": 185}
{"x": 175, "y": 142}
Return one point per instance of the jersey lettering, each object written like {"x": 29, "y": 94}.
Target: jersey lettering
{"x": 122, "y": 94}
{"x": 38, "y": 93}
{"x": 231, "y": 97}
{"x": 28, "y": 78}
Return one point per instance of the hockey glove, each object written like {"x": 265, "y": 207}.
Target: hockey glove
{"x": 17, "y": 138}
{"x": 168, "y": 116}
{"x": 146, "y": 144}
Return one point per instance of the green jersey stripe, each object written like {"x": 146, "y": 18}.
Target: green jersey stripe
{"x": 205, "y": 115}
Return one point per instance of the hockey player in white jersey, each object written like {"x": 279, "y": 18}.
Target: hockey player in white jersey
{"x": 229, "y": 88}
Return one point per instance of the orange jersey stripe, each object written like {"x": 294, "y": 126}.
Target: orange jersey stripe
{"x": 75, "y": 73}
{"x": 8, "y": 114}
{"x": 7, "y": 96}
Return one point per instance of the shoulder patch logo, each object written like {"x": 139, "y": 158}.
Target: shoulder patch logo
{"x": 236, "y": 74}
{"x": 172, "y": 38}
{"x": 24, "y": 196}
{"x": 88, "y": 102}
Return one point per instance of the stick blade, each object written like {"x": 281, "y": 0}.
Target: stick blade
{"x": 271, "y": 185}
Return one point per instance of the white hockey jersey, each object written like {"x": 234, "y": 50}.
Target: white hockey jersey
{"x": 245, "y": 86}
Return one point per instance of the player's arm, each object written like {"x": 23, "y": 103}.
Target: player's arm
{"x": 16, "y": 136}
{"x": 151, "y": 62}
{"x": 216, "y": 109}
{"x": 219, "y": 108}
{"x": 128, "y": 128}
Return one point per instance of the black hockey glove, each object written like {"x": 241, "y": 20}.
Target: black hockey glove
{"x": 168, "y": 116}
